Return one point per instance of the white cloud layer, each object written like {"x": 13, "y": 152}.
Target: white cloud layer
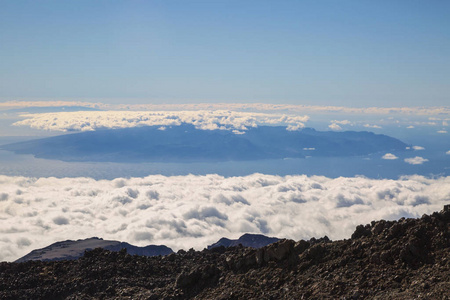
{"x": 416, "y": 160}
{"x": 389, "y": 156}
{"x": 23, "y": 104}
{"x": 437, "y": 111}
{"x": 194, "y": 211}
{"x": 206, "y": 120}
{"x": 418, "y": 148}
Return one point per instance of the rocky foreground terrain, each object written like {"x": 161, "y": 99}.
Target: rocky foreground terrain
{"x": 404, "y": 259}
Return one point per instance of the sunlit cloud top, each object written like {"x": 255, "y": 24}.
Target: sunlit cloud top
{"x": 206, "y": 120}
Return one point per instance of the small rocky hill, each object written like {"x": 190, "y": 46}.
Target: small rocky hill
{"x": 404, "y": 259}
{"x": 246, "y": 240}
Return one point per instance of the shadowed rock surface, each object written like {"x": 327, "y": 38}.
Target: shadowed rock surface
{"x": 67, "y": 250}
{"x": 404, "y": 259}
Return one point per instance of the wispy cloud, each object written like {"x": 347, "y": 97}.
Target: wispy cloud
{"x": 418, "y": 148}
{"x": 389, "y": 156}
{"x": 416, "y": 160}
{"x": 342, "y": 122}
{"x": 334, "y": 126}
{"x": 372, "y": 126}
{"x": 194, "y": 211}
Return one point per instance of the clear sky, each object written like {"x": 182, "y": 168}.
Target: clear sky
{"x": 351, "y": 53}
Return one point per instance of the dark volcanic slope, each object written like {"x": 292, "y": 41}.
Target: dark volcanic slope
{"x": 185, "y": 143}
{"x": 405, "y": 259}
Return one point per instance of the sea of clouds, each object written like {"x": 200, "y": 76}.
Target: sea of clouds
{"x": 194, "y": 211}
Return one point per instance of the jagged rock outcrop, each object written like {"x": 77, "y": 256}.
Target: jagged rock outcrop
{"x": 404, "y": 259}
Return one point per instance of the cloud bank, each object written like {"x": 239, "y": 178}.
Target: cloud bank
{"x": 424, "y": 111}
{"x": 194, "y": 211}
{"x": 206, "y": 120}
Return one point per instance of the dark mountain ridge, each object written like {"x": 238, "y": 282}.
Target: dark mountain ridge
{"x": 69, "y": 250}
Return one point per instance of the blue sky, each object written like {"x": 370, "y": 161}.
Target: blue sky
{"x": 350, "y": 53}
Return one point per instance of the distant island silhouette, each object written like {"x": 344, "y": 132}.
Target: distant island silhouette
{"x": 185, "y": 143}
